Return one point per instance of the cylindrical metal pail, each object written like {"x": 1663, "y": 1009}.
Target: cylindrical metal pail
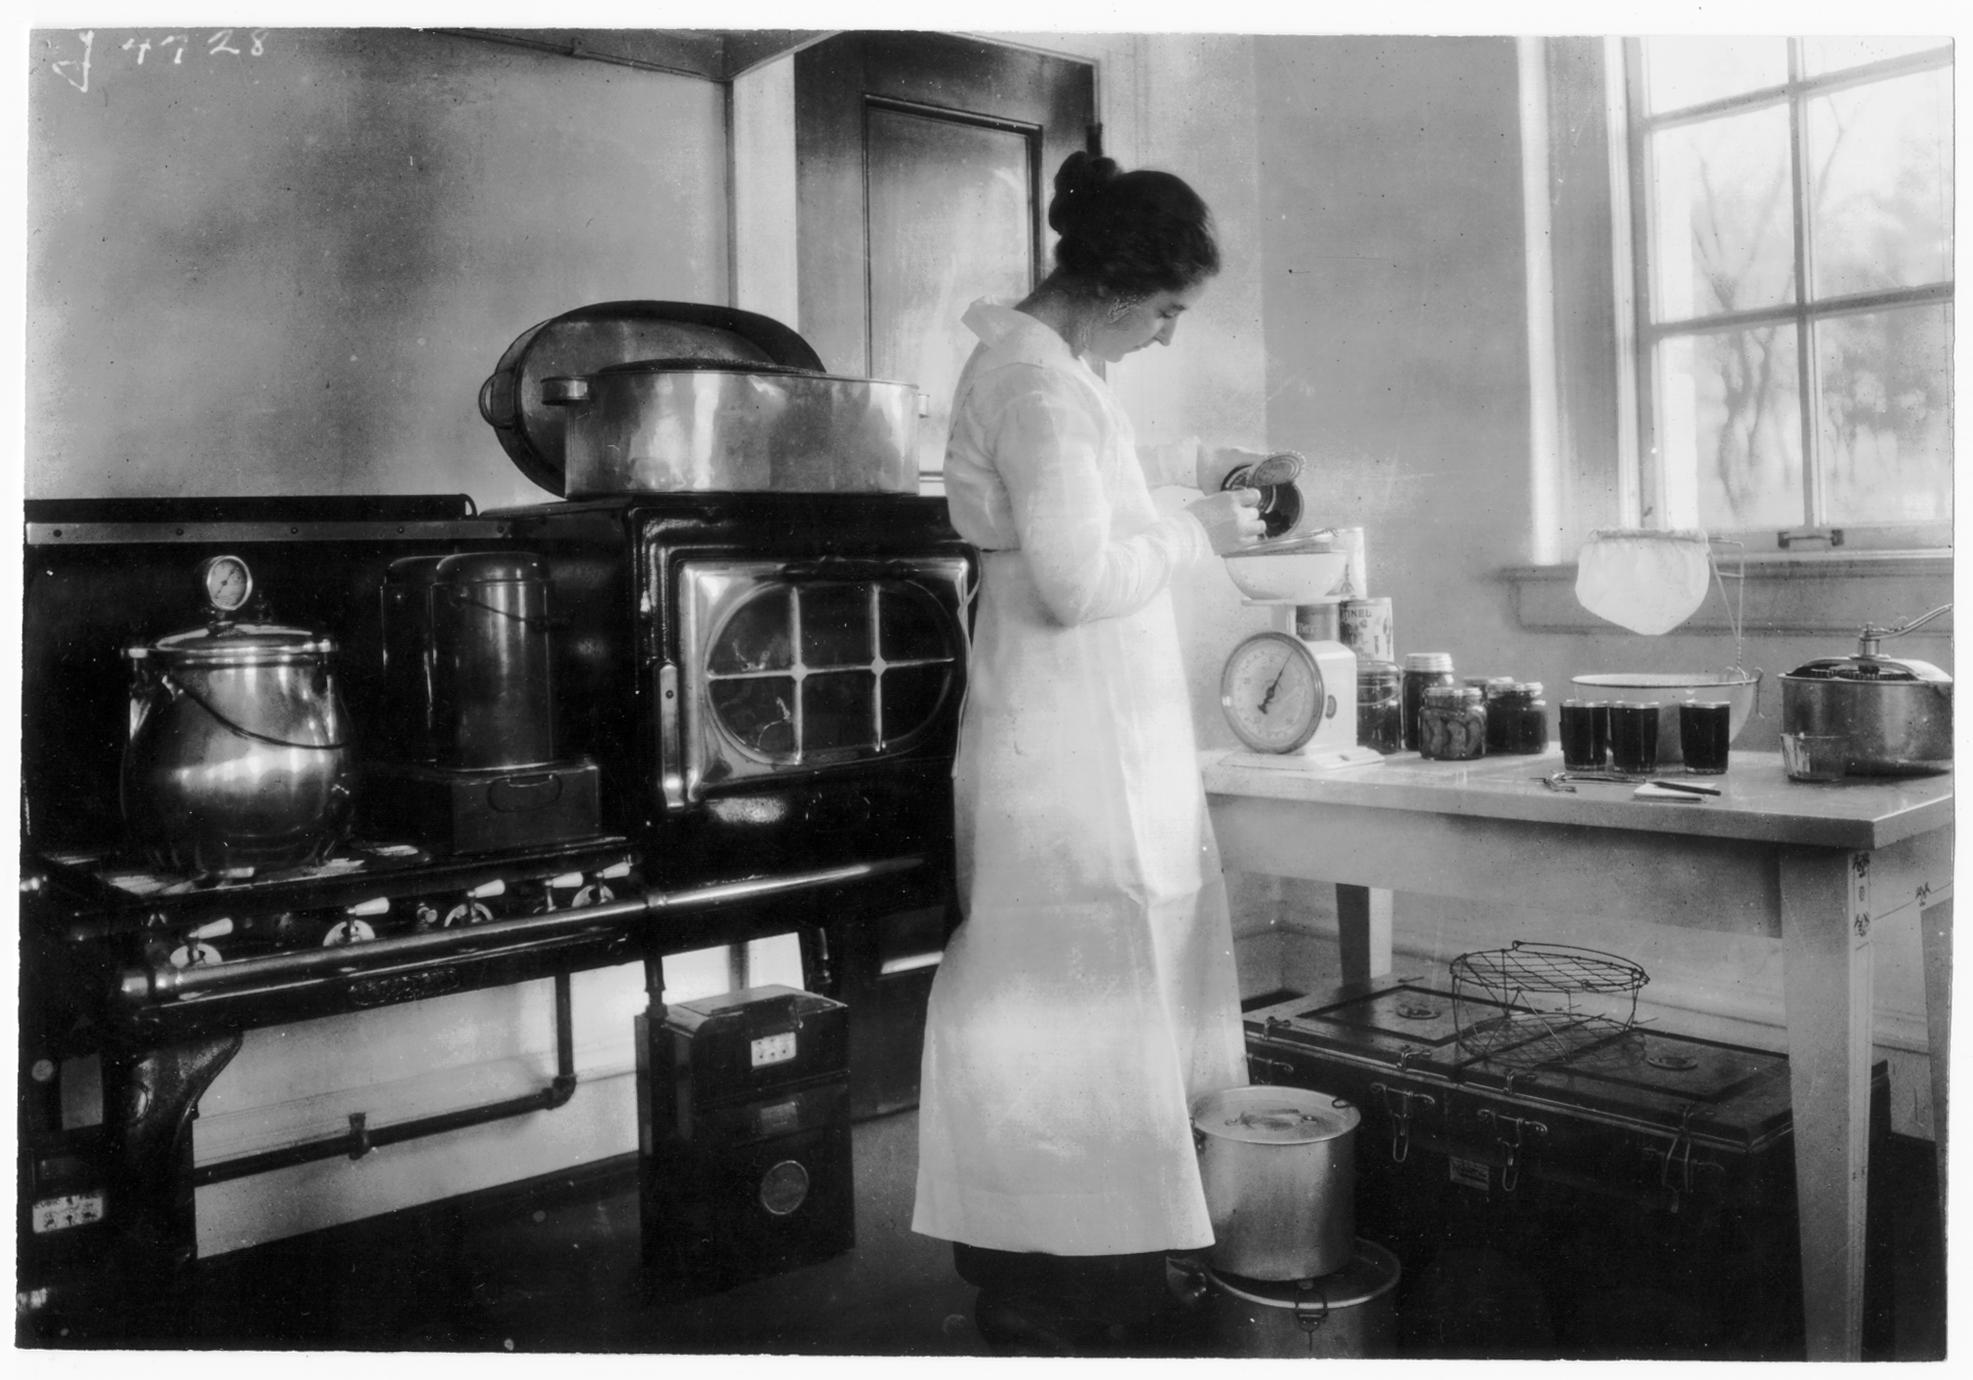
{"x": 1278, "y": 1169}
{"x": 491, "y": 701}
{"x": 1351, "y": 1313}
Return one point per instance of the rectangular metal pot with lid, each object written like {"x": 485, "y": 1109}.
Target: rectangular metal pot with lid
{"x": 673, "y": 397}
{"x": 661, "y": 426}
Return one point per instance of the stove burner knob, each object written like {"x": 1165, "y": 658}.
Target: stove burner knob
{"x": 594, "y": 894}
{"x": 424, "y": 917}
{"x": 467, "y": 912}
{"x": 196, "y": 954}
{"x": 350, "y": 931}
{"x": 558, "y": 893}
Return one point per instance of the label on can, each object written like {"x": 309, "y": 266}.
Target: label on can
{"x": 1317, "y": 623}
{"x": 1368, "y": 629}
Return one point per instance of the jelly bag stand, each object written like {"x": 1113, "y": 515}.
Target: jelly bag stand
{"x": 1650, "y": 582}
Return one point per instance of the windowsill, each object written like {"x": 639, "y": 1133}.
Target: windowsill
{"x": 1800, "y": 592}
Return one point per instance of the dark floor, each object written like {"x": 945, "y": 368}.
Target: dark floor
{"x": 554, "y": 1266}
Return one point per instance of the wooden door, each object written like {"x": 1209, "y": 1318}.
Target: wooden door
{"x": 923, "y": 167}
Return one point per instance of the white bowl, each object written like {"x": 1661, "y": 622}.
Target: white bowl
{"x": 1740, "y": 689}
{"x": 1300, "y": 573}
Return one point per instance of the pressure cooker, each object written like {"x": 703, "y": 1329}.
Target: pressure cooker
{"x": 237, "y": 754}
{"x": 1895, "y": 713}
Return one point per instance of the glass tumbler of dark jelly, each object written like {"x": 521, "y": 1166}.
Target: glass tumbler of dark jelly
{"x": 1704, "y": 727}
{"x": 1634, "y": 739}
{"x": 1585, "y": 734}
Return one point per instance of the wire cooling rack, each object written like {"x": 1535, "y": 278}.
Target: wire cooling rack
{"x": 1534, "y": 1004}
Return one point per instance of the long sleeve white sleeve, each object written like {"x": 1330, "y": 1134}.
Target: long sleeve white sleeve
{"x": 1046, "y": 448}
{"x": 1170, "y": 464}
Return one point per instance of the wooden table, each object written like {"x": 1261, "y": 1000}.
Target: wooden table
{"x": 1814, "y": 866}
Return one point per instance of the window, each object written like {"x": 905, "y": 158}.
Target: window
{"x": 1791, "y": 222}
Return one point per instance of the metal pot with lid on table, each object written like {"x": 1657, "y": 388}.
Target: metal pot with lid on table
{"x": 1894, "y": 714}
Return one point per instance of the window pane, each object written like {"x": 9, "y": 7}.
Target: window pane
{"x": 836, "y": 629}
{"x": 1886, "y": 416}
{"x": 1722, "y": 236}
{"x": 1729, "y": 429}
{"x": 1880, "y": 163}
{"x": 1829, "y": 54}
{"x": 1686, "y": 71}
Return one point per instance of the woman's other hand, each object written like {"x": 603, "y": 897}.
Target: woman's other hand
{"x": 1231, "y": 519}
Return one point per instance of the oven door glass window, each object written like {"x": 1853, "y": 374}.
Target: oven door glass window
{"x": 793, "y": 669}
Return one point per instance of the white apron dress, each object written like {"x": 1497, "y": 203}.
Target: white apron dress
{"x": 1090, "y": 994}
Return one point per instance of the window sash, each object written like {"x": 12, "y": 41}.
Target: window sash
{"x": 1802, "y": 313}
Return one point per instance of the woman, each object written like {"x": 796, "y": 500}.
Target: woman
{"x": 1089, "y": 995}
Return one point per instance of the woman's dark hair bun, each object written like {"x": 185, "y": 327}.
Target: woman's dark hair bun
{"x": 1130, "y": 232}
{"x": 1079, "y": 186}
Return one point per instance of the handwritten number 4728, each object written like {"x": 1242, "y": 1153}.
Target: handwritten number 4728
{"x": 216, "y": 44}
{"x": 222, "y": 42}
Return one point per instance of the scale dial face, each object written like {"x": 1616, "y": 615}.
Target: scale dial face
{"x": 1272, "y": 693}
{"x": 227, "y": 582}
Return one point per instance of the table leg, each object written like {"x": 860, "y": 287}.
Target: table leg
{"x": 1363, "y": 931}
{"x": 1935, "y": 925}
{"x": 1827, "y": 970}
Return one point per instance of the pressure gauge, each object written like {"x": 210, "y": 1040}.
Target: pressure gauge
{"x": 228, "y": 583}
{"x": 1272, "y": 693}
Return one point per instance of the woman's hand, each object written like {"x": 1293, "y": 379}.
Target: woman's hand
{"x": 1231, "y": 519}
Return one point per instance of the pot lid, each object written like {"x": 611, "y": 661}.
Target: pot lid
{"x": 1882, "y": 670}
{"x": 236, "y": 644}
{"x": 1274, "y": 1116}
{"x": 489, "y": 567}
{"x": 589, "y": 339}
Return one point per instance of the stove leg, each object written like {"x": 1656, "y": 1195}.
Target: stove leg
{"x": 150, "y": 1098}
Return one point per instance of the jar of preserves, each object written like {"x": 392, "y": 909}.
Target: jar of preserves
{"x": 1422, "y": 670}
{"x": 1452, "y": 724}
{"x": 1517, "y": 719}
{"x": 1379, "y": 706}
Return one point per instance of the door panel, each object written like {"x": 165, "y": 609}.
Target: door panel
{"x": 951, "y": 220}
{"x": 923, "y": 165}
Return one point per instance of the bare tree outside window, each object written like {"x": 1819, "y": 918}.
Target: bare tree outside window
{"x": 1795, "y": 283}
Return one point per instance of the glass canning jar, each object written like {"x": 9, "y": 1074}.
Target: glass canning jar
{"x": 1452, "y": 724}
{"x": 1379, "y": 707}
{"x": 1517, "y": 718}
{"x": 1422, "y": 671}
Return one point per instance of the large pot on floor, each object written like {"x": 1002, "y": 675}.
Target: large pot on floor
{"x": 1278, "y": 1166}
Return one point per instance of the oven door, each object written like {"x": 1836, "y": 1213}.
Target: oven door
{"x": 792, "y": 669}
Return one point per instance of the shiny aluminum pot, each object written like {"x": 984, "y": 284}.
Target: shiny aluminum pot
{"x": 1896, "y": 714}
{"x": 663, "y": 426}
{"x": 1349, "y": 1313}
{"x": 466, "y": 661}
{"x": 237, "y": 753}
{"x": 1278, "y": 1166}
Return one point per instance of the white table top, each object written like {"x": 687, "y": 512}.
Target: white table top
{"x": 1757, "y": 801}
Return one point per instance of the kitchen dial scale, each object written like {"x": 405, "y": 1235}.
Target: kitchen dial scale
{"x": 1289, "y": 693}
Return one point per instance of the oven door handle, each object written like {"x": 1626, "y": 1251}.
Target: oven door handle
{"x": 139, "y": 987}
{"x": 850, "y": 568}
